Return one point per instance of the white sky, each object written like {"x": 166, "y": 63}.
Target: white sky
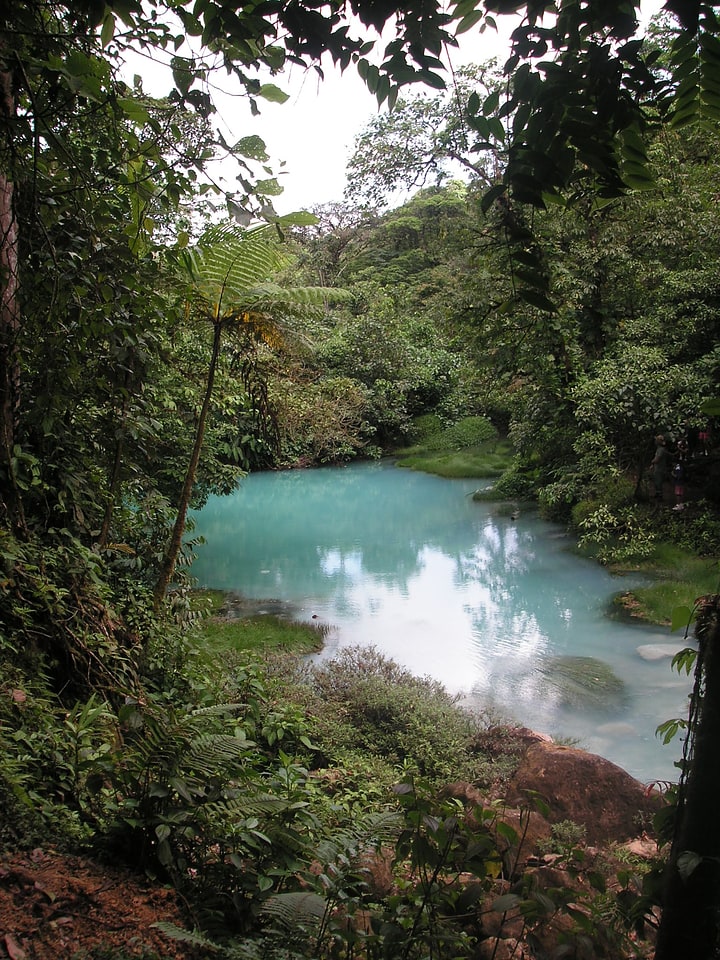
{"x": 313, "y": 132}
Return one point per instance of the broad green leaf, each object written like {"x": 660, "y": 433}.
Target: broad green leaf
{"x": 273, "y": 93}
{"x": 133, "y": 109}
{"x": 510, "y": 901}
{"x": 432, "y": 79}
{"x": 468, "y": 22}
{"x": 300, "y": 218}
{"x": 462, "y": 8}
{"x": 507, "y": 831}
{"x": 268, "y": 188}
{"x": 680, "y": 618}
{"x": 491, "y": 195}
{"x": 252, "y": 147}
{"x": 108, "y": 28}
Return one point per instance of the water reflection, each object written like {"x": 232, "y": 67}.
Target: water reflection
{"x": 451, "y": 588}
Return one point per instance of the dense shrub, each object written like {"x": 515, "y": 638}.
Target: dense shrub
{"x": 513, "y": 484}
{"x": 468, "y": 432}
{"x": 410, "y": 721}
{"x": 424, "y": 427}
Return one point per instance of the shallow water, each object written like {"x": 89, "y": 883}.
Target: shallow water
{"x": 456, "y": 590}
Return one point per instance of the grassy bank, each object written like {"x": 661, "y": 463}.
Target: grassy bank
{"x": 230, "y": 624}
{"x": 678, "y": 578}
{"x": 469, "y": 448}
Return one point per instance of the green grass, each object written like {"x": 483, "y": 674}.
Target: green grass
{"x": 469, "y": 448}
{"x": 255, "y": 633}
{"x": 484, "y": 460}
{"x": 679, "y": 578}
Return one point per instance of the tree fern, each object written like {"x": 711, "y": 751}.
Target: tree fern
{"x": 227, "y": 276}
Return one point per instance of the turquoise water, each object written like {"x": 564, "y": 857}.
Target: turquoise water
{"x": 452, "y": 589}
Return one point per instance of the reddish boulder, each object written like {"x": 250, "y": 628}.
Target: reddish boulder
{"x": 586, "y": 789}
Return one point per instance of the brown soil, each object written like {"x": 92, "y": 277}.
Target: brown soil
{"x": 58, "y": 906}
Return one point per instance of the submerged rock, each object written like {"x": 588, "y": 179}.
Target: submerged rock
{"x": 581, "y": 682}
{"x": 657, "y": 651}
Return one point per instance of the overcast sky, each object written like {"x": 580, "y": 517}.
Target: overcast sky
{"x": 314, "y": 131}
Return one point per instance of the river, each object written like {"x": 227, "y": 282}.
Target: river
{"x": 498, "y": 607}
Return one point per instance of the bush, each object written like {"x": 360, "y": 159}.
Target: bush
{"x": 514, "y": 484}
{"x": 469, "y": 432}
{"x": 617, "y": 536}
{"x": 556, "y": 500}
{"x": 424, "y": 427}
{"x": 410, "y": 721}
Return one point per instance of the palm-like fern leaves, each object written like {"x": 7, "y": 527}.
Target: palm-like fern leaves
{"x": 225, "y": 265}
{"x": 229, "y": 283}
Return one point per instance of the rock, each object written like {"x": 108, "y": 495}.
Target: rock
{"x": 586, "y": 789}
{"x": 580, "y": 681}
{"x": 657, "y": 651}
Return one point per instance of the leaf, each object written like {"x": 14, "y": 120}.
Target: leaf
{"x": 402, "y": 788}
{"x": 507, "y": 831}
{"x": 468, "y": 22}
{"x": 251, "y": 147}
{"x": 537, "y": 299}
{"x": 680, "y": 618}
{"x": 684, "y": 660}
{"x": 108, "y": 28}
{"x": 687, "y": 863}
{"x": 300, "y": 218}
{"x": 505, "y": 903}
{"x": 491, "y": 195}
{"x": 273, "y": 93}
{"x": 710, "y": 407}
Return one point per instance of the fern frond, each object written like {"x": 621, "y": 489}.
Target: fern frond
{"x": 361, "y": 836}
{"x": 213, "y": 753}
{"x": 244, "y": 806}
{"x": 296, "y": 910}
{"x": 185, "y": 936}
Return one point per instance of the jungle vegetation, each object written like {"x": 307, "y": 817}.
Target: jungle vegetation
{"x": 551, "y": 284}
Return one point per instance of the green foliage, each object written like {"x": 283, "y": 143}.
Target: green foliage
{"x": 514, "y": 483}
{"x": 566, "y": 838}
{"x": 424, "y": 427}
{"x": 468, "y": 432}
{"x": 586, "y": 326}
{"x": 617, "y": 536}
{"x": 389, "y": 713}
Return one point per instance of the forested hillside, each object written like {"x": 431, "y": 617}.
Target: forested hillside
{"x": 551, "y": 281}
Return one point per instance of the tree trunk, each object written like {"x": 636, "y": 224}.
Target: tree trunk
{"x": 690, "y": 920}
{"x": 170, "y": 559}
{"x": 9, "y": 317}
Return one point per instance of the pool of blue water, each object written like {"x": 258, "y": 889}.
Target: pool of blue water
{"x": 491, "y": 604}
